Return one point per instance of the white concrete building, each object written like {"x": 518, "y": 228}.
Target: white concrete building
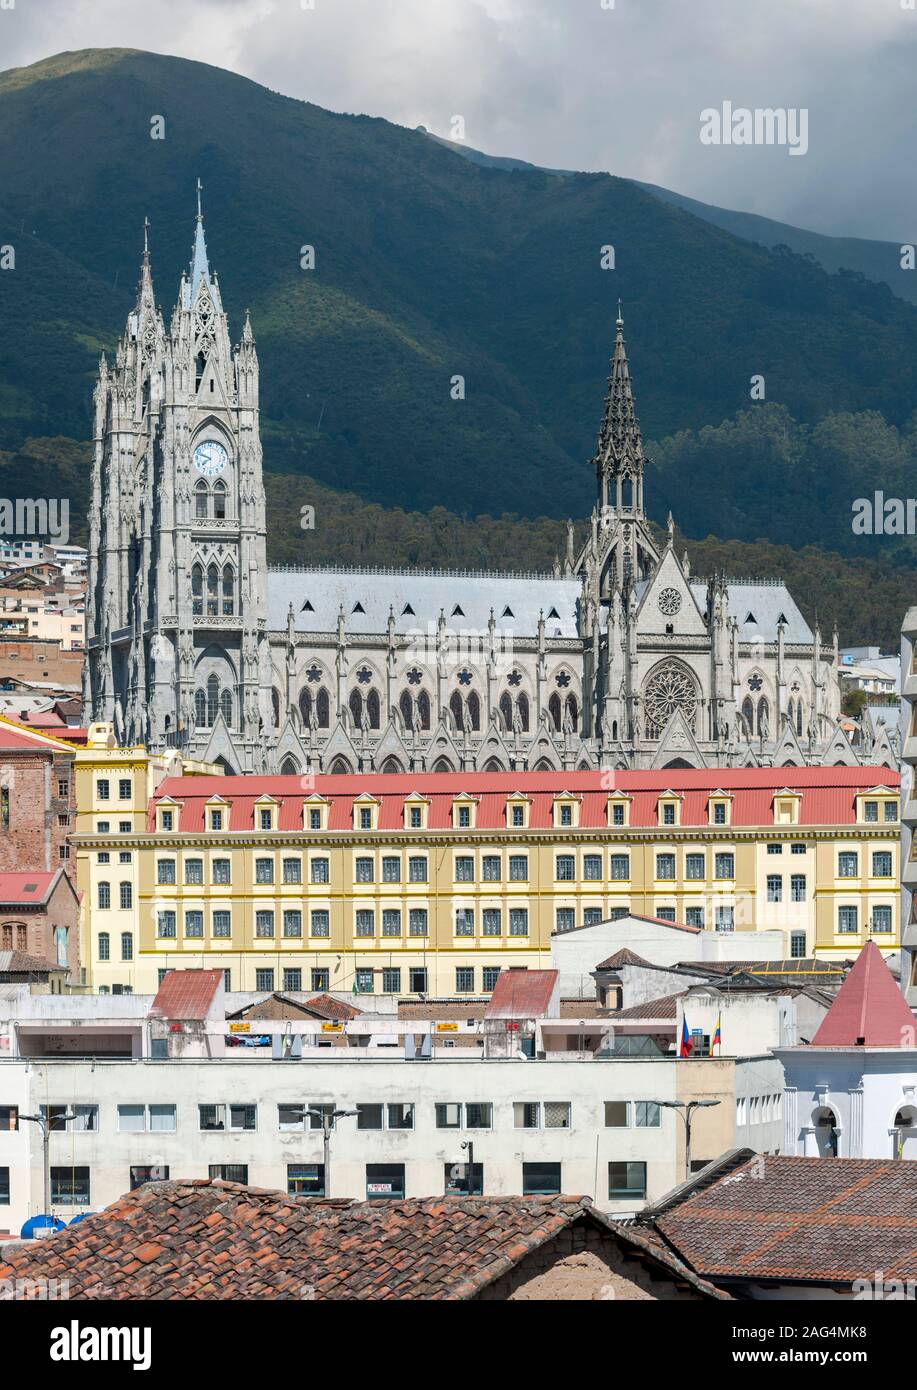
{"x": 852, "y": 1091}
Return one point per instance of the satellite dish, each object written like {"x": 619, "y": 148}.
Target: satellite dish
{"x": 39, "y": 1226}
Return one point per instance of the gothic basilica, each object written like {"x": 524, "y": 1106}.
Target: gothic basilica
{"x": 620, "y": 658}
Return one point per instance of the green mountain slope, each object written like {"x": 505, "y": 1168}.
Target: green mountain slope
{"x": 428, "y": 267}
{"x": 877, "y": 260}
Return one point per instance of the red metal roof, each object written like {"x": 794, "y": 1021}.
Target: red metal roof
{"x": 521, "y": 994}
{"x": 23, "y": 889}
{"x": 869, "y": 1010}
{"x": 186, "y": 994}
{"x": 828, "y": 795}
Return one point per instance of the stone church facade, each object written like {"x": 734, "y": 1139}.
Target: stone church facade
{"x": 620, "y": 658}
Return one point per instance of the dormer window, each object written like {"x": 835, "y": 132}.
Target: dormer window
{"x": 457, "y": 612}
{"x": 407, "y": 610}
{"x": 517, "y": 812}
{"x": 507, "y": 612}
{"x": 719, "y": 808}
{"x": 669, "y": 809}
{"x": 315, "y": 813}
{"x": 464, "y": 811}
{"x": 415, "y": 813}
{"x": 566, "y": 808}
{"x": 358, "y": 607}
{"x": 307, "y": 607}
{"x": 365, "y": 812}
{"x": 618, "y": 810}
{"x": 167, "y": 814}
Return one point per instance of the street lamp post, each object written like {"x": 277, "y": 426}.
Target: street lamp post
{"x": 329, "y": 1119}
{"x": 686, "y": 1110}
{"x": 46, "y": 1124}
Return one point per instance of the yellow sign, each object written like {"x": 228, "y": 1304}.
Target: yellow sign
{"x": 240, "y": 1027}
{"x": 447, "y": 1027}
{"x": 332, "y": 1027}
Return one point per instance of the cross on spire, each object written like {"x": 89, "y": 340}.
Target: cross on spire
{"x": 200, "y": 189}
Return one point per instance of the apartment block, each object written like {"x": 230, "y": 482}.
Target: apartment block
{"x": 434, "y": 883}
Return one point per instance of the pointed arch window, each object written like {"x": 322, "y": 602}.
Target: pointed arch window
{"x": 226, "y": 707}
{"x": 748, "y": 715}
{"x": 229, "y": 587}
{"x": 554, "y": 711}
{"x": 213, "y": 591}
{"x": 213, "y": 697}
{"x": 305, "y": 707}
{"x": 219, "y": 500}
{"x": 199, "y": 365}
{"x": 373, "y": 709}
{"x": 763, "y": 714}
{"x": 423, "y": 709}
{"x": 197, "y": 591}
{"x": 356, "y": 707}
{"x": 406, "y": 705}
{"x": 474, "y": 711}
{"x": 200, "y": 709}
{"x": 275, "y": 706}
{"x": 323, "y": 708}
{"x": 571, "y": 712}
{"x": 201, "y": 501}
{"x": 458, "y": 711}
{"x": 522, "y": 704}
{"x": 799, "y": 716}
{"x": 506, "y": 710}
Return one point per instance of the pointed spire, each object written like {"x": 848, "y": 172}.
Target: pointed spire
{"x": 869, "y": 1009}
{"x": 247, "y": 334}
{"x": 200, "y": 266}
{"x": 620, "y": 441}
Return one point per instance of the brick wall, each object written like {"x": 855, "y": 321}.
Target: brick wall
{"x": 32, "y": 835}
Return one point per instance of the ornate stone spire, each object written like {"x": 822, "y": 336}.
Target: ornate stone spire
{"x": 620, "y": 445}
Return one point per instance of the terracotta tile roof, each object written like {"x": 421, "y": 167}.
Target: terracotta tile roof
{"x": 445, "y": 1009}
{"x": 869, "y": 1010}
{"x": 623, "y": 957}
{"x": 217, "y": 1240}
{"x": 828, "y": 795}
{"x": 22, "y": 963}
{"x": 186, "y": 994}
{"x": 582, "y": 1008}
{"x": 522, "y": 994}
{"x": 817, "y": 1220}
{"x": 282, "y": 1006}
{"x": 665, "y": 1007}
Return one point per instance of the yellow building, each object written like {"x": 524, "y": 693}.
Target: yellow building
{"x": 113, "y": 789}
{"x": 431, "y": 883}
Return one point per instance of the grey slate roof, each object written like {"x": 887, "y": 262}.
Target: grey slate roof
{"x": 426, "y": 592}
{"x": 765, "y": 603}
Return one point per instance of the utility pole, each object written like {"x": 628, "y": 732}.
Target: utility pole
{"x": 686, "y": 1111}
{"x": 329, "y": 1119}
{"x": 45, "y": 1124}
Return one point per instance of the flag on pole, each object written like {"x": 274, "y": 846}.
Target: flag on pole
{"x": 717, "y": 1036}
{"x": 685, "y": 1049}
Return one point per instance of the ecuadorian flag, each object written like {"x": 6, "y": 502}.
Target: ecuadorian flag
{"x": 717, "y": 1036}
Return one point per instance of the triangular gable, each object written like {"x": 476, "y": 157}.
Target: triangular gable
{"x": 882, "y": 754}
{"x": 492, "y": 746}
{"x": 442, "y": 745}
{"x": 340, "y": 745}
{"x": 220, "y": 745}
{"x": 290, "y": 745}
{"x": 678, "y": 742}
{"x": 839, "y": 751}
{"x": 666, "y": 590}
{"x": 787, "y": 752}
{"x": 391, "y": 745}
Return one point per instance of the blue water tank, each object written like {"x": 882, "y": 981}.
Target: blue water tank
{"x": 80, "y": 1216}
{"x": 38, "y": 1226}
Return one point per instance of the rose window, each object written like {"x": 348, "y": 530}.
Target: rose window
{"x": 669, "y": 602}
{"x": 670, "y": 689}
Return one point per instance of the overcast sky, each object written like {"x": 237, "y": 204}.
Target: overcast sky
{"x": 571, "y": 84}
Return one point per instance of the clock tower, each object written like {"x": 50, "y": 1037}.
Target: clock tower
{"x": 177, "y": 648}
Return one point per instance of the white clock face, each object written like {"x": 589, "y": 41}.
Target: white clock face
{"x": 210, "y": 458}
